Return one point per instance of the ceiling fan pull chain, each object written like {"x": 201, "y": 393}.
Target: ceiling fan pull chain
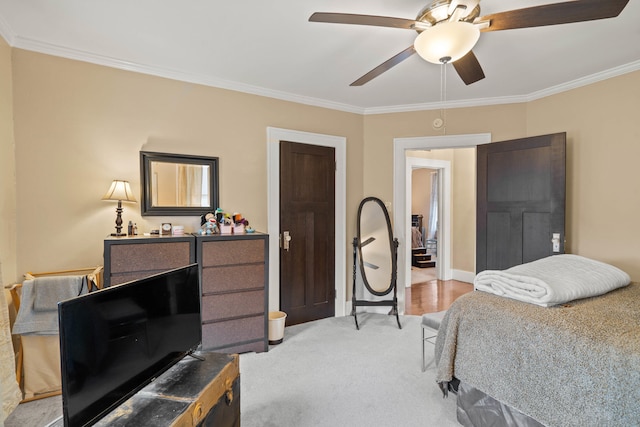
{"x": 443, "y": 96}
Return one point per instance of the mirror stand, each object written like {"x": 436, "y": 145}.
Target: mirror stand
{"x": 364, "y": 303}
{"x": 376, "y": 251}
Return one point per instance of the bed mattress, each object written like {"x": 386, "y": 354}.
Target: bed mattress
{"x": 571, "y": 365}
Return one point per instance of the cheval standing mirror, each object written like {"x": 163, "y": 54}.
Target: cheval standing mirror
{"x": 375, "y": 250}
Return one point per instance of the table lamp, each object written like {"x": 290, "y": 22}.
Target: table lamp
{"x": 120, "y": 191}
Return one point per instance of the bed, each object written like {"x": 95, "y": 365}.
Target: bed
{"x": 518, "y": 363}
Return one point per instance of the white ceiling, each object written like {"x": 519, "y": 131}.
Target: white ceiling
{"x": 270, "y": 48}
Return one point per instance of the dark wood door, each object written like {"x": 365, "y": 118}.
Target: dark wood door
{"x": 520, "y": 201}
{"x": 307, "y": 212}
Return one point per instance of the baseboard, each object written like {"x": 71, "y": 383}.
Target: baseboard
{"x": 347, "y": 307}
{"x": 463, "y": 276}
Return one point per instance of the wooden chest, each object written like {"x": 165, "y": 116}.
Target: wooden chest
{"x": 191, "y": 393}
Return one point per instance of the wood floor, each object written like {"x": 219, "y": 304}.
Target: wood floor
{"x": 431, "y": 295}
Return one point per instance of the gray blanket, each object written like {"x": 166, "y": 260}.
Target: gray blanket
{"x": 576, "y": 364}
{"x": 39, "y": 299}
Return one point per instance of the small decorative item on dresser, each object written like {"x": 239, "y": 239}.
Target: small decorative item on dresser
{"x": 178, "y": 230}
{"x": 240, "y": 223}
{"x": 208, "y": 224}
{"x": 166, "y": 228}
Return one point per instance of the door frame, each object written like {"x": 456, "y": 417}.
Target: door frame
{"x": 443, "y": 266}
{"x": 400, "y": 189}
{"x": 274, "y": 136}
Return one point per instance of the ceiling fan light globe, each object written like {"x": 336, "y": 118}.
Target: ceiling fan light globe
{"x": 447, "y": 39}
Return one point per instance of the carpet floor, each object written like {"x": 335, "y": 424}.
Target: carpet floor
{"x": 326, "y": 373}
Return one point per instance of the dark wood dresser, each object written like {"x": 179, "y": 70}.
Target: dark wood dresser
{"x": 234, "y": 277}
{"x": 234, "y": 274}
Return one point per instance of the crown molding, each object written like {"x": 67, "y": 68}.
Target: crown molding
{"x": 477, "y": 102}
{"x": 585, "y": 81}
{"x": 480, "y": 102}
{"x": 55, "y": 50}
{"x": 6, "y": 32}
{"x": 64, "y": 52}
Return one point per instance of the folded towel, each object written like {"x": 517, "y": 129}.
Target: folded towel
{"x": 553, "y": 280}
{"x": 50, "y": 290}
{"x": 30, "y": 321}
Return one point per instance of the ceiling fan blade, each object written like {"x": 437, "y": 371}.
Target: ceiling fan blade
{"x": 469, "y": 69}
{"x": 385, "y": 66}
{"x": 349, "y": 18}
{"x": 552, "y": 14}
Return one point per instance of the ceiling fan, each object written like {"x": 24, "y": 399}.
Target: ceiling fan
{"x": 449, "y": 29}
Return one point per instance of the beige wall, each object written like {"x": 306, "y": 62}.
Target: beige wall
{"x": 421, "y": 194}
{"x": 603, "y": 135}
{"x": 502, "y": 121}
{"x": 603, "y": 153}
{"x": 79, "y": 126}
{"x": 7, "y": 171}
{"x": 464, "y": 209}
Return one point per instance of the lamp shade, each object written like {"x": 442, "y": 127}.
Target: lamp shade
{"x": 119, "y": 190}
{"x": 446, "y": 41}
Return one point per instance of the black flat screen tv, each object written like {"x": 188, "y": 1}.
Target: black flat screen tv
{"x": 116, "y": 340}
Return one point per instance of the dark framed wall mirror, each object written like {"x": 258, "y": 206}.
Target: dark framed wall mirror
{"x": 375, "y": 251}
{"x": 177, "y": 184}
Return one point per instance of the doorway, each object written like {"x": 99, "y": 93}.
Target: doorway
{"x": 424, "y": 224}
{"x": 274, "y": 136}
{"x": 442, "y": 269}
{"x": 307, "y": 261}
{"x": 401, "y": 203}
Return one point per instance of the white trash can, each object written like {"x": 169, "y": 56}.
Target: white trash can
{"x": 276, "y": 326}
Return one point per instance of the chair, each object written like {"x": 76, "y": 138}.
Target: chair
{"x": 429, "y": 321}
{"x": 38, "y": 365}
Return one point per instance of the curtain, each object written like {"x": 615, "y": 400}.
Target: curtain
{"x": 189, "y": 185}
{"x": 433, "y": 209}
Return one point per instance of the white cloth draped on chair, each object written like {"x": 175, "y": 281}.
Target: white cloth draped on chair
{"x": 10, "y": 393}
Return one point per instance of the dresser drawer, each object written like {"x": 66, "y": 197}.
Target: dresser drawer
{"x": 237, "y": 304}
{"x": 233, "y": 278}
{"x": 230, "y": 252}
{"x": 149, "y": 256}
{"x": 222, "y": 334}
{"x": 118, "y": 278}
{"x": 255, "y": 346}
